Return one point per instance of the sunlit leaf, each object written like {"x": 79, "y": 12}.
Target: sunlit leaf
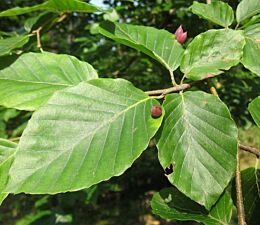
{"x": 199, "y": 138}
{"x": 158, "y": 44}
{"x": 83, "y": 135}
{"x": 217, "y": 12}
{"x": 29, "y": 80}
{"x": 212, "y": 52}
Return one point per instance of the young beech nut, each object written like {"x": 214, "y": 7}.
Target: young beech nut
{"x": 156, "y": 111}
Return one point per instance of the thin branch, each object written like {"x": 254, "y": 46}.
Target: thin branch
{"x": 176, "y": 88}
{"x": 240, "y": 204}
{"x": 249, "y": 149}
{"x": 38, "y": 35}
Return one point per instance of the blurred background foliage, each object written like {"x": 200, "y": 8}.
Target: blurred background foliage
{"x": 123, "y": 200}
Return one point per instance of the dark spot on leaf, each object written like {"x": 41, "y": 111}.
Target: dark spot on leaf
{"x": 168, "y": 170}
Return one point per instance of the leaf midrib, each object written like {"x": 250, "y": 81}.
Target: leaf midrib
{"x": 95, "y": 130}
{"x": 138, "y": 43}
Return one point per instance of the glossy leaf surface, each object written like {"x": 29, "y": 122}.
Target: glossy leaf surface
{"x": 158, "y": 44}
{"x": 29, "y": 80}
{"x": 247, "y": 9}
{"x": 83, "y": 135}
{"x": 199, "y": 138}
{"x": 217, "y": 12}
{"x": 212, "y": 52}
{"x": 171, "y": 204}
{"x": 7, "y": 45}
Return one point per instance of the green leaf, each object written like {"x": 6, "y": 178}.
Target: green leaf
{"x": 250, "y": 179}
{"x": 83, "y": 135}
{"x": 7, "y": 151}
{"x": 247, "y": 9}
{"x": 199, "y": 139}
{"x": 7, "y": 45}
{"x": 251, "y": 59}
{"x": 33, "y": 77}
{"x": 56, "y": 6}
{"x": 253, "y": 32}
{"x": 254, "y": 109}
{"x": 212, "y": 52}
{"x": 251, "y": 52}
{"x": 73, "y": 6}
{"x": 158, "y": 44}
{"x": 31, "y": 22}
{"x": 171, "y": 204}
{"x": 19, "y": 11}
{"x": 217, "y": 12}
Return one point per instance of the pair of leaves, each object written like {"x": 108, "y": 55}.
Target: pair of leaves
{"x": 209, "y": 53}
{"x": 73, "y": 123}
{"x": 27, "y": 81}
{"x": 171, "y": 204}
{"x": 54, "y": 6}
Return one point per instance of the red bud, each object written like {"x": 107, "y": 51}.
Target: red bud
{"x": 156, "y": 111}
{"x": 180, "y": 35}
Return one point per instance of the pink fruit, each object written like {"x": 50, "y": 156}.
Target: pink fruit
{"x": 180, "y": 35}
